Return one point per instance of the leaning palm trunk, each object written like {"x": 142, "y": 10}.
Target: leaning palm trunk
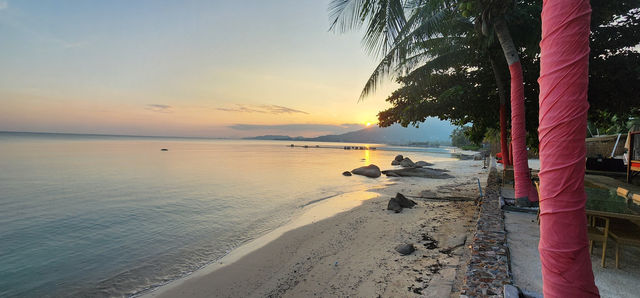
{"x": 504, "y": 147}
{"x": 564, "y": 80}
{"x": 518, "y": 131}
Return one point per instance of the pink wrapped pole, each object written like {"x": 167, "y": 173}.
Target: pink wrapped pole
{"x": 564, "y": 70}
{"x": 522, "y": 183}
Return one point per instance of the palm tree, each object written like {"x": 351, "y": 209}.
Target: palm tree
{"x": 405, "y": 42}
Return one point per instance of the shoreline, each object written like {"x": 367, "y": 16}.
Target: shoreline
{"x": 287, "y": 261}
{"x": 317, "y": 210}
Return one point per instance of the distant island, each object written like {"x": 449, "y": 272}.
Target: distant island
{"x": 396, "y": 134}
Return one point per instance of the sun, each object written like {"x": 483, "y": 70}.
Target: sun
{"x": 368, "y": 123}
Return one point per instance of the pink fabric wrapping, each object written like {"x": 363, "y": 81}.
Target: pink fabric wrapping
{"x": 564, "y": 69}
{"x": 522, "y": 181}
{"x": 504, "y": 147}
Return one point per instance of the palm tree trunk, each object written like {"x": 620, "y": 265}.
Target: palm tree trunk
{"x": 504, "y": 147}
{"x": 564, "y": 80}
{"x": 518, "y": 131}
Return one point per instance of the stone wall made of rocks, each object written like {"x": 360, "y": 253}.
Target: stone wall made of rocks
{"x": 488, "y": 268}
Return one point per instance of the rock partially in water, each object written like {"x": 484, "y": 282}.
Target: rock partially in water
{"x": 399, "y": 158}
{"x": 346, "y": 173}
{"x": 423, "y": 163}
{"x": 405, "y": 249}
{"x": 418, "y": 172}
{"x": 371, "y": 171}
{"x": 407, "y": 163}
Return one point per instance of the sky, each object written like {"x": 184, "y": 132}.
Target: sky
{"x": 181, "y": 68}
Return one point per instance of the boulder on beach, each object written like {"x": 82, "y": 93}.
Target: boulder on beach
{"x": 418, "y": 172}
{"x": 423, "y": 163}
{"x": 394, "y": 205}
{"x": 398, "y": 202}
{"x": 399, "y": 158}
{"x": 371, "y": 171}
{"x": 404, "y": 202}
{"x": 405, "y": 249}
{"x": 407, "y": 163}
{"x": 346, "y": 173}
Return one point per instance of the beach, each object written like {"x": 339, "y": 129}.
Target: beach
{"x": 352, "y": 253}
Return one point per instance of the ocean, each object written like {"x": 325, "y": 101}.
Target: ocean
{"x": 89, "y": 215}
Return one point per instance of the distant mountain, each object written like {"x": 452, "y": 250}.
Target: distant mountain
{"x": 432, "y": 130}
{"x": 277, "y": 138}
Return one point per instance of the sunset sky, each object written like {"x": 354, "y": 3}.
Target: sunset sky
{"x": 189, "y": 68}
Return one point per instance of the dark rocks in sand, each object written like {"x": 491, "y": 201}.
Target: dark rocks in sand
{"x": 164, "y": 149}
{"x": 418, "y": 172}
{"x": 346, "y": 173}
{"x": 407, "y": 163}
{"x": 405, "y": 249}
{"x": 394, "y": 205}
{"x": 371, "y": 171}
{"x": 404, "y": 202}
{"x": 399, "y": 158}
{"x": 423, "y": 163}
{"x": 398, "y": 202}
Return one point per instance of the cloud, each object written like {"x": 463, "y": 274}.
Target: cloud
{"x": 4, "y": 4}
{"x": 160, "y": 108}
{"x": 264, "y": 109}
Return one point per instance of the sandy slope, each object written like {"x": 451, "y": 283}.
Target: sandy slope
{"x": 352, "y": 254}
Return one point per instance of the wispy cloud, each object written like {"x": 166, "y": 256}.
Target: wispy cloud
{"x": 160, "y": 108}
{"x": 4, "y": 4}
{"x": 265, "y": 109}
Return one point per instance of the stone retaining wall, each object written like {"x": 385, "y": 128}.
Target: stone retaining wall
{"x": 488, "y": 268}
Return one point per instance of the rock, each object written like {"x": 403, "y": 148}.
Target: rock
{"x": 346, "y": 173}
{"x": 399, "y": 158}
{"x": 418, "y": 172}
{"x": 394, "y": 205}
{"x": 478, "y": 156}
{"x": 391, "y": 174}
{"x": 164, "y": 149}
{"x": 371, "y": 171}
{"x": 405, "y": 249}
{"x": 404, "y": 202}
{"x": 423, "y": 163}
{"x": 407, "y": 163}
{"x": 395, "y": 163}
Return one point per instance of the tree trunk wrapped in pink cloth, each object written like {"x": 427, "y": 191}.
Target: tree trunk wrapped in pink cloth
{"x": 564, "y": 65}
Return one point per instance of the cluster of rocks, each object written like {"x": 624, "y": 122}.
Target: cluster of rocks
{"x": 488, "y": 267}
{"x": 406, "y": 162}
{"x": 409, "y": 169}
{"x": 398, "y": 202}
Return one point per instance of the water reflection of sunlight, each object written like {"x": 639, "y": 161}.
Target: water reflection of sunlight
{"x": 367, "y": 156}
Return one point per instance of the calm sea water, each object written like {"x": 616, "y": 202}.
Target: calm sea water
{"x": 113, "y": 216}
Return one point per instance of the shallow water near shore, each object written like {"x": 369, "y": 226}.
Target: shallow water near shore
{"x": 113, "y": 216}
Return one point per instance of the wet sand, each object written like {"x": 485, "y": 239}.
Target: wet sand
{"x": 352, "y": 253}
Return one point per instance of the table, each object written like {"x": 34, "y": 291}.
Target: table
{"x": 607, "y": 203}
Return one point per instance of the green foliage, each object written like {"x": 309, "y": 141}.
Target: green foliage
{"x": 441, "y": 58}
{"x": 459, "y": 137}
